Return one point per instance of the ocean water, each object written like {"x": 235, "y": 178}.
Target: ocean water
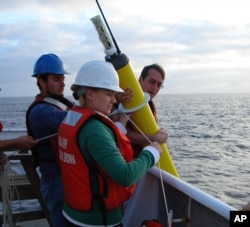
{"x": 209, "y": 139}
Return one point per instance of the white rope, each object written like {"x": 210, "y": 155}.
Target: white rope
{"x": 164, "y": 196}
{"x": 8, "y": 189}
{"x": 38, "y": 140}
{"x": 133, "y": 123}
{"x": 8, "y": 185}
{"x": 46, "y": 137}
{"x": 161, "y": 180}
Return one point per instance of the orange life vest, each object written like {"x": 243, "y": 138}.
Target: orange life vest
{"x": 76, "y": 173}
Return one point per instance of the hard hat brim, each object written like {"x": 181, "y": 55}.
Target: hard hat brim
{"x": 59, "y": 74}
{"x": 75, "y": 87}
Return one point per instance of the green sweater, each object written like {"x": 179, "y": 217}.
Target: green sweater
{"x": 99, "y": 141}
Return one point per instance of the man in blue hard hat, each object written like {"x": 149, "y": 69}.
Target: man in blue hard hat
{"x": 43, "y": 118}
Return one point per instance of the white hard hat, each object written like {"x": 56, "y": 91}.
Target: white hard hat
{"x": 99, "y": 74}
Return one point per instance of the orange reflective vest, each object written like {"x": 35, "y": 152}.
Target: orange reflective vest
{"x": 77, "y": 174}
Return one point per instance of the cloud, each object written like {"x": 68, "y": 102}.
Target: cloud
{"x": 201, "y": 48}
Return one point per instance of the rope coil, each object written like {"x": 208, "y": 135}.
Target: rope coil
{"x": 8, "y": 190}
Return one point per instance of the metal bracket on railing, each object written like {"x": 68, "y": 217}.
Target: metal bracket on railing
{"x": 176, "y": 220}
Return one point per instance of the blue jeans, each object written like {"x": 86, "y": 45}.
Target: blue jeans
{"x": 52, "y": 193}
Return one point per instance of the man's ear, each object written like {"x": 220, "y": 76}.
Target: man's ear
{"x": 41, "y": 82}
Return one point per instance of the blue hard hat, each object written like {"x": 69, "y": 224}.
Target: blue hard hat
{"x": 48, "y": 63}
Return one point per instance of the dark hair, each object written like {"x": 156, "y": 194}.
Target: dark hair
{"x": 144, "y": 72}
{"x": 44, "y": 78}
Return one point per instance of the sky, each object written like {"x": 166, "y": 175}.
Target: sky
{"x": 204, "y": 46}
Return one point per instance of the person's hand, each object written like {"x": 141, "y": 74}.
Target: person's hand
{"x": 25, "y": 143}
{"x": 156, "y": 146}
{"x": 124, "y": 96}
{"x": 123, "y": 118}
{"x": 161, "y": 136}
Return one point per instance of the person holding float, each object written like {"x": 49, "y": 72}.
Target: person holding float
{"x": 142, "y": 118}
{"x": 96, "y": 158}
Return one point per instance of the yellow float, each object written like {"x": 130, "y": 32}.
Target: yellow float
{"x": 142, "y": 116}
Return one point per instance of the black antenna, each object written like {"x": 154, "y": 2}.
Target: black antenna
{"x": 113, "y": 39}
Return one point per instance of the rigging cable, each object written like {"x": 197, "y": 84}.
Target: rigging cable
{"x": 158, "y": 164}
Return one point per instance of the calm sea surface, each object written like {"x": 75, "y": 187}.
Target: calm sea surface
{"x": 209, "y": 139}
